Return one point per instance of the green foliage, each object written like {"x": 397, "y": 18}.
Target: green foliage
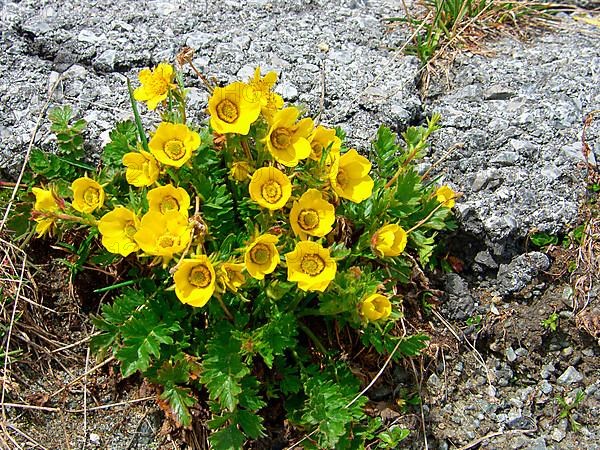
{"x": 224, "y": 335}
{"x": 328, "y": 407}
{"x": 568, "y": 406}
{"x": 543, "y": 239}
{"x": 551, "y": 323}
{"x": 448, "y": 22}
{"x": 392, "y": 437}
{"x": 123, "y": 139}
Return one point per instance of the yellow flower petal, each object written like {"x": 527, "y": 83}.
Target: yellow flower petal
{"x": 142, "y": 168}
{"x": 261, "y": 256}
{"x": 312, "y": 215}
{"x": 350, "y": 178}
{"x": 270, "y": 188}
{"x": 287, "y": 141}
{"x": 233, "y": 108}
{"x": 163, "y": 234}
{"x": 375, "y": 307}
{"x": 445, "y": 195}
{"x": 311, "y": 266}
{"x": 155, "y": 85}
{"x": 88, "y": 195}
{"x": 195, "y": 281}
{"x": 389, "y": 240}
{"x": 168, "y": 198}
{"x": 173, "y": 144}
{"x": 117, "y": 228}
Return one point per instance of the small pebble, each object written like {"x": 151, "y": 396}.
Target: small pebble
{"x": 94, "y": 439}
{"x": 570, "y": 376}
{"x": 510, "y": 354}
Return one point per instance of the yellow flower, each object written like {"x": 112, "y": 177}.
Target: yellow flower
{"x": 261, "y": 256}
{"x": 287, "y": 140}
{"x": 233, "y": 108}
{"x": 163, "y": 234}
{"x": 321, "y": 139}
{"x": 230, "y": 274}
{"x": 173, "y": 143}
{"x": 142, "y": 168}
{"x": 262, "y": 88}
{"x": 88, "y": 195}
{"x": 45, "y": 202}
{"x": 117, "y": 228}
{"x": 375, "y": 307}
{"x": 155, "y": 85}
{"x": 195, "y": 281}
{"x": 350, "y": 178}
{"x": 168, "y": 198}
{"x": 240, "y": 171}
{"x": 270, "y": 188}
{"x": 389, "y": 240}
{"x": 311, "y": 266}
{"x": 312, "y": 215}
{"x": 445, "y": 195}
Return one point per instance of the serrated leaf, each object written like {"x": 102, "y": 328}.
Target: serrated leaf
{"x": 413, "y": 345}
{"x": 123, "y": 139}
{"x": 180, "y": 399}
{"x": 230, "y": 438}
{"x": 250, "y": 423}
{"x": 223, "y": 369}
{"x": 141, "y": 342}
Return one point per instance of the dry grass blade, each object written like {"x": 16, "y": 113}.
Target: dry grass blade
{"x": 10, "y": 290}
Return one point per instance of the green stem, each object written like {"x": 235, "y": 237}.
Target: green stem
{"x": 313, "y": 337}
{"x": 115, "y": 286}
{"x": 136, "y": 115}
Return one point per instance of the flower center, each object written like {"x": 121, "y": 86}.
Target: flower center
{"x": 260, "y": 254}
{"x": 308, "y": 219}
{"x": 341, "y": 178}
{"x": 227, "y": 111}
{"x": 281, "y": 138}
{"x": 166, "y": 241}
{"x": 174, "y": 149}
{"x": 91, "y": 196}
{"x": 200, "y": 276}
{"x": 130, "y": 229}
{"x": 271, "y": 191}
{"x": 168, "y": 203}
{"x": 312, "y": 265}
{"x": 158, "y": 85}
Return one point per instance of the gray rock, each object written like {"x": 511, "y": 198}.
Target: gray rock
{"x": 558, "y": 435}
{"x": 532, "y": 139}
{"x": 514, "y": 276}
{"x": 106, "y": 61}
{"x": 570, "y": 376}
{"x": 546, "y": 387}
{"x": 460, "y": 304}
{"x": 505, "y": 159}
{"x": 536, "y": 444}
{"x": 511, "y": 356}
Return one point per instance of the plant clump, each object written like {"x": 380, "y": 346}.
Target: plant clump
{"x": 249, "y": 241}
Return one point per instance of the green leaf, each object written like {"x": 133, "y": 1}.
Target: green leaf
{"x": 223, "y": 369}
{"x": 180, "y": 399}
{"x": 138, "y": 120}
{"x": 60, "y": 117}
{"x": 123, "y": 140}
{"x": 141, "y": 342}
{"x": 250, "y": 423}
{"x": 230, "y": 438}
{"x": 543, "y": 239}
